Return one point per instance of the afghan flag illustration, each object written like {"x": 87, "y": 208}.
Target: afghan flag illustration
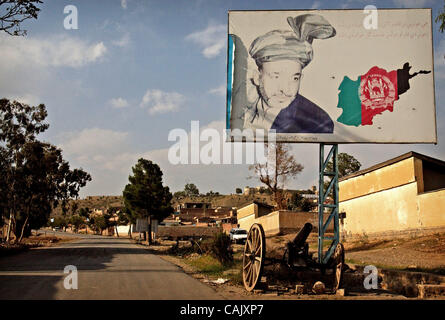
{"x": 372, "y": 93}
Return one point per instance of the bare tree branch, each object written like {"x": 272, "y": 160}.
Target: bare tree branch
{"x": 275, "y": 175}
{"x": 14, "y": 12}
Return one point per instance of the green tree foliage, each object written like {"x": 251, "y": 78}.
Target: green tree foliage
{"x": 298, "y": 202}
{"x": 14, "y": 12}
{"x": 145, "y": 196}
{"x": 98, "y": 223}
{"x": 84, "y": 212}
{"x": 441, "y": 18}
{"x": 77, "y": 222}
{"x": 347, "y": 165}
{"x": 191, "y": 190}
{"x": 60, "y": 222}
{"x": 35, "y": 177}
{"x": 179, "y": 194}
{"x": 239, "y": 190}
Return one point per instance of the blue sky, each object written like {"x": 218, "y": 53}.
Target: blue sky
{"x": 134, "y": 70}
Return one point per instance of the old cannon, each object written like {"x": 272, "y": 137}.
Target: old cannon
{"x": 296, "y": 257}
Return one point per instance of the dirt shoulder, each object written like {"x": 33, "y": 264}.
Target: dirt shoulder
{"x": 34, "y": 242}
{"x": 233, "y": 289}
{"x": 424, "y": 253}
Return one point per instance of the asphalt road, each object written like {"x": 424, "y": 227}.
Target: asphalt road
{"x": 107, "y": 268}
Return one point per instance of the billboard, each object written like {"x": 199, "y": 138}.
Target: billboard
{"x": 332, "y": 76}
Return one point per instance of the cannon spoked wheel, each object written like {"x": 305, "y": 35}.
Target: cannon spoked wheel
{"x": 338, "y": 262}
{"x": 253, "y": 258}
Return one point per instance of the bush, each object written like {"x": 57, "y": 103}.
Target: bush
{"x": 221, "y": 248}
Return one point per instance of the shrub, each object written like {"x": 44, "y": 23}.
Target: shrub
{"x": 221, "y": 248}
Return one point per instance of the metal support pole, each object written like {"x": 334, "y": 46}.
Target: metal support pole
{"x": 323, "y": 197}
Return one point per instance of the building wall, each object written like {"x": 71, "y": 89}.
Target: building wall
{"x": 394, "y": 175}
{"x": 123, "y": 230}
{"x": 390, "y": 200}
{"x": 394, "y": 209}
{"x": 247, "y": 211}
{"x": 432, "y": 208}
{"x": 433, "y": 176}
{"x": 282, "y": 221}
{"x": 187, "y": 231}
{"x": 246, "y": 221}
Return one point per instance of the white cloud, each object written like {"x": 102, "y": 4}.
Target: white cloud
{"x": 213, "y": 40}
{"x": 158, "y": 101}
{"x": 119, "y": 103}
{"x": 316, "y": 5}
{"x": 61, "y": 51}
{"x": 124, "y": 4}
{"x": 90, "y": 144}
{"x": 122, "y": 42}
{"x": 412, "y": 3}
{"x": 219, "y": 91}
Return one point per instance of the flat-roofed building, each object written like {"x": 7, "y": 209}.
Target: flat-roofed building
{"x": 399, "y": 196}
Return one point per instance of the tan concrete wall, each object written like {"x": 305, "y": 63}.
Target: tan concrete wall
{"x": 394, "y": 175}
{"x": 247, "y": 211}
{"x": 282, "y": 221}
{"x": 246, "y": 222}
{"x": 390, "y": 210}
{"x": 432, "y": 208}
{"x": 296, "y": 220}
{"x": 270, "y": 222}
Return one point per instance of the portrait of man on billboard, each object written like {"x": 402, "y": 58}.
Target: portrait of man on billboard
{"x": 281, "y": 56}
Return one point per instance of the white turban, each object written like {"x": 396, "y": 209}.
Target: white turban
{"x": 292, "y": 45}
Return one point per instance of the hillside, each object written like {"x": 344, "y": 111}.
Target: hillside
{"x": 232, "y": 200}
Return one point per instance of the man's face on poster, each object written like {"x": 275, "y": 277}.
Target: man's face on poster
{"x": 279, "y": 82}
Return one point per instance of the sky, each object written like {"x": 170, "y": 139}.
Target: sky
{"x": 135, "y": 70}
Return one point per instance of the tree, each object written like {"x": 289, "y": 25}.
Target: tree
{"x": 441, "y": 18}
{"x": 275, "y": 175}
{"x": 145, "y": 196}
{"x": 77, "y": 222}
{"x": 212, "y": 194}
{"x": 98, "y": 223}
{"x": 191, "y": 190}
{"x": 35, "y": 177}
{"x": 84, "y": 212}
{"x": 239, "y": 190}
{"x": 298, "y": 202}
{"x": 179, "y": 194}
{"x": 14, "y": 12}
{"x": 59, "y": 222}
{"x": 347, "y": 165}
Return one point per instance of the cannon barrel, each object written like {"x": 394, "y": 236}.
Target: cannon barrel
{"x": 302, "y": 235}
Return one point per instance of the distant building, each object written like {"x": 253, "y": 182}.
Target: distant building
{"x": 201, "y": 212}
{"x": 249, "y": 190}
{"x": 274, "y": 221}
{"x": 402, "y": 195}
